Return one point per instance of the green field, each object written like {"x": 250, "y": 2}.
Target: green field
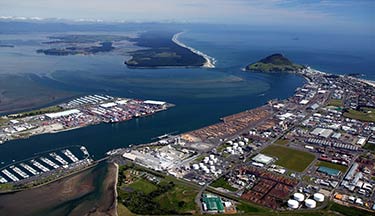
{"x": 123, "y": 211}
{"x": 143, "y": 185}
{"x": 282, "y": 141}
{"x": 332, "y": 165}
{"x": 221, "y": 182}
{"x": 168, "y": 197}
{"x": 180, "y": 199}
{"x": 366, "y": 114}
{"x": 6, "y": 187}
{"x": 335, "y": 102}
{"x": 247, "y": 208}
{"x": 369, "y": 146}
{"x": 289, "y": 158}
{"x": 347, "y": 211}
{"x": 50, "y": 109}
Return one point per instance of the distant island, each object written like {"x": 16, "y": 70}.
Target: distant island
{"x": 164, "y": 50}
{"x": 274, "y": 63}
{"x": 104, "y": 47}
{"x": 81, "y": 44}
{"x": 7, "y": 45}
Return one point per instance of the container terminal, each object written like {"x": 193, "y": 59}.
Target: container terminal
{"x": 77, "y": 113}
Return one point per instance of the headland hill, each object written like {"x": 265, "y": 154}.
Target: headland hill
{"x": 275, "y": 63}
{"x": 165, "y": 50}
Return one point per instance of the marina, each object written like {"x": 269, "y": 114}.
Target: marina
{"x": 46, "y": 162}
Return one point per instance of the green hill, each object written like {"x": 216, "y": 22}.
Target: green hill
{"x": 274, "y": 63}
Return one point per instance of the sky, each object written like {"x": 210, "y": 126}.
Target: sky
{"x": 341, "y": 15}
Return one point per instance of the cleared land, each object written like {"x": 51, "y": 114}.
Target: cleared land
{"x": 289, "y": 158}
{"x": 90, "y": 192}
{"x": 332, "y": 165}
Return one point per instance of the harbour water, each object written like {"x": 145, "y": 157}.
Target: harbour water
{"x": 201, "y": 95}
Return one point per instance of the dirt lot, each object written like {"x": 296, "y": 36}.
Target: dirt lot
{"x": 90, "y": 192}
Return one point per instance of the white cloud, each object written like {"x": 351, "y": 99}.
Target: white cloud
{"x": 263, "y": 12}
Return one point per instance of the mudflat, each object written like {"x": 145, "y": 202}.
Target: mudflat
{"x": 89, "y": 192}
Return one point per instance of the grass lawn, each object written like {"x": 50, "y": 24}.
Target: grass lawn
{"x": 39, "y": 111}
{"x": 221, "y": 182}
{"x": 347, "y": 211}
{"x": 6, "y": 187}
{"x": 244, "y": 207}
{"x": 335, "y": 102}
{"x": 170, "y": 196}
{"x": 367, "y": 115}
{"x": 282, "y": 141}
{"x": 180, "y": 198}
{"x": 332, "y": 165}
{"x": 143, "y": 185}
{"x": 289, "y": 158}
{"x": 369, "y": 146}
{"x": 123, "y": 211}
{"x": 222, "y": 147}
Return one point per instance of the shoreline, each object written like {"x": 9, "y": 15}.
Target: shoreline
{"x": 210, "y": 61}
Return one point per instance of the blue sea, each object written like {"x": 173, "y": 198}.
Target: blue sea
{"x": 201, "y": 95}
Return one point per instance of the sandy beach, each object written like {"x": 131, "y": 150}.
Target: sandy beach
{"x": 210, "y": 61}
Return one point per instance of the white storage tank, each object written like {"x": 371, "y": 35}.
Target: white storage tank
{"x": 299, "y": 197}
{"x": 201, "y": 165}
{"x": 206, "y": 159}
{"x": 235, "y": 144}
{"x": 293, "y": 204}
{"x": 195, "y": 166}
{"x": 318, "y": 197}
{"x": 211, "y": 162}
{"x": 309, "y": 203}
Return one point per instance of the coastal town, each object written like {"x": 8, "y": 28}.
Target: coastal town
{"x": 299, "y": 154}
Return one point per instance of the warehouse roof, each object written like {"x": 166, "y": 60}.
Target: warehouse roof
{"x": 63, "y": 113}
{"x": 261, "y": 158}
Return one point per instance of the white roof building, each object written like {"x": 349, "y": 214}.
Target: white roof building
{"x": 107, "y": 105}
{"x": 322, "y": 132}
{"x": 154, "y": 102}
{"x": 264, "y": 159}
{"x": 63, "y": 113}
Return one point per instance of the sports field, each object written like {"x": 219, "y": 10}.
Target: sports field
{"x": 332, "y": 166}
{"x": 292, "y": 159}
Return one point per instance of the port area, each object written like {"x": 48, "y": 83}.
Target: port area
{"x": 77, "y": 113}
{"x": 302, "y": 155}
{"x": 45, "y": 167}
